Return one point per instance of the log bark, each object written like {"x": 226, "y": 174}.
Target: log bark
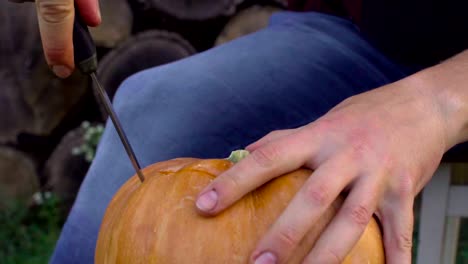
{"x": 14, "y": 39}
{"x": 145, "y": 50}
{"x": 245, "y": 22}
{"x": 36, "y": 101}
{"x": 116, "y": 26}
{"x": 193, "y": 9}
{"x": 65, "y": 171}
{"x": 18, "y": 177}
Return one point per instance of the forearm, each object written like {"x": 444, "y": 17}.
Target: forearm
{"x": 447, "y": 84}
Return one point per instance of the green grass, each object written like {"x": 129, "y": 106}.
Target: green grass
{"x": 28, "y": 235}
{"x": 462, "y": 251}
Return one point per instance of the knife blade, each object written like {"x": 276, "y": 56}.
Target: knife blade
{"x": 86, "y": 61}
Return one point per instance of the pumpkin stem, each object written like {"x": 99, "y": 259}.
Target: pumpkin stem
{"x": 238, "y": 155}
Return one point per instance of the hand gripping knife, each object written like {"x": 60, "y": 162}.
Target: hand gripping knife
{"x": 86, "y": 61}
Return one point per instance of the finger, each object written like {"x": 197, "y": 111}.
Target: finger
{"x": 312, "y": 200}
{"x": 349, "y": 224}
{"x": 269, "y": 161}
{"x": 397, "y": 221}
{"x": 90, "y": 12}
{"x": 268, "y": 138}
{"x": 56, "y": 19}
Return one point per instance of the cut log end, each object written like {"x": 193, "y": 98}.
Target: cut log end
{"x": 142, "y": 51}
{"x": 194, "y": 10}
{"x": 116, "y": 26}
{"x": 64, "y": 170}
{"x": 18, "y": 177}
{"x": 245, "y": 22}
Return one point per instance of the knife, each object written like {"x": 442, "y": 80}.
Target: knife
{"x": 86, "y": 62}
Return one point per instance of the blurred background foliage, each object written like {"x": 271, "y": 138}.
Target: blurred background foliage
{"x": 28, "y": 234}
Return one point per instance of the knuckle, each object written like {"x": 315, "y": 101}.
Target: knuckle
{"x": 322, "y": 126}
{"x": 266, "y": 156}
{"x": 289, "y": 237}
{"x": 360, "y": 140}
{"x": 348, "y": 100}
{"x": 359, "y": 146}
{"x": 388, "y": 162}
{"x": 404, "y": 242}
{"x": 317, "y": 195}
{"x": 405, "y": 186}
{"x": 330, "y": 257}
{"x": 231, "y": 180}
{"x": 55, "y": 53}
{"x": 360, "y": 215}
{"x": 54, "y": 11}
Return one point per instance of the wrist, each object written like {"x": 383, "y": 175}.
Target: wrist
{"x": 446, "y": 86}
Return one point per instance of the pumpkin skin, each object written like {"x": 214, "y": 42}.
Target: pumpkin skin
{"x": 156, "y": 221}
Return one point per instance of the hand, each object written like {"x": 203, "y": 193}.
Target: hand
{"x": 56, "y": 18}
{"x": 381, "y": 147}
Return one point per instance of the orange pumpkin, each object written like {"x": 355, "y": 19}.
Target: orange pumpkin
{"x": 156, "y": 221}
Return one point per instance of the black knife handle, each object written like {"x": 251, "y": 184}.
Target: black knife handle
{"x": 83, "y": 45}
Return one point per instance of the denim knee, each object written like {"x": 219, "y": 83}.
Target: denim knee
{"x": 126, "y": 88}
{"x": 311, "y": 20}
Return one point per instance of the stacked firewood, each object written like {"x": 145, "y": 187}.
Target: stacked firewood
{"x": 41, "y": 115}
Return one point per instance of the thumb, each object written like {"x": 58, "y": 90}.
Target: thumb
{"x": 56, "y": 19}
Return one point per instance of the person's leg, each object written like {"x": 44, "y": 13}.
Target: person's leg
{"x": 209, "y": 104}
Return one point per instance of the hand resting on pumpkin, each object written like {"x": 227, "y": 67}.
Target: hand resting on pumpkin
{"x": 380, "y": 147}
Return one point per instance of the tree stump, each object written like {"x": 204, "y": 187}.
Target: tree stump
{"x": 142, "y": 51}
{"x": 18, "y": 177}
{"x": 192, "y": 10}
{"x": 245, "y": 22}
{"x": 36, "y": 101}
{"x": 116, "y": 26}
{"x": 65, "y": 171}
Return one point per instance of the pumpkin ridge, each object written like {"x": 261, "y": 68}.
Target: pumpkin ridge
{"x": 134, "y": 209}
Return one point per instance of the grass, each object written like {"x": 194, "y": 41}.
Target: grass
{"x": 28, "y": 235}
{"x": 462, "y": 251}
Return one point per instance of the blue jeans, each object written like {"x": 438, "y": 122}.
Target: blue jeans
{"x": 207, "y": 105}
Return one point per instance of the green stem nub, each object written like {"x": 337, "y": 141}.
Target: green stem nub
{"x": 238, "y": 155}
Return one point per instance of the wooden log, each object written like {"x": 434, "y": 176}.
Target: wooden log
{"x": 142, "y": 51}
{"x": 245, "y": 22}
{"x": 18, "y": 177}
{"x": 64, "y": 171}
{"x": 36, "y": 101}
{"x": 192, "y": 9}
{"x": 13, "y": 44}
{"x": 116, "y": 26}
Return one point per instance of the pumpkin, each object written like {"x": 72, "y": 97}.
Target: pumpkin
{"x": 156, "y": 221}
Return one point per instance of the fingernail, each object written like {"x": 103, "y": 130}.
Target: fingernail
{"x": 207, "y": 201}
{"x": 266, "y": 258}
{"x": 61, "y": 71}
